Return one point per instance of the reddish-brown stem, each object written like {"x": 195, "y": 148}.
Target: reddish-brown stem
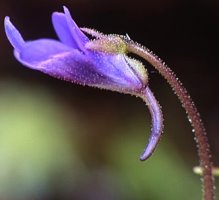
{"x": 191, "y": 110}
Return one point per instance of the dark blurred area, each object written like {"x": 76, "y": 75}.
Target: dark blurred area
{"x": 64, "y": 141}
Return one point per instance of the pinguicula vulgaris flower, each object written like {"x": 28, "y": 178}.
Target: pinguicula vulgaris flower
{"x": 103, "y": 63}
{"x": 69, "y": 59}
{"x": 76, "y": 58}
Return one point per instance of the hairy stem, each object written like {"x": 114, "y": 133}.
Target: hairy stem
{"x": 191, "y": 110}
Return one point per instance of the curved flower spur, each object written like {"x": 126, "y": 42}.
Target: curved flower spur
{"x": 103, "y": 63}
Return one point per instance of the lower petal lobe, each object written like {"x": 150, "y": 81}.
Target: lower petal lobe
{"x": 60, "y": 61}
{"x": 40, "y": 50}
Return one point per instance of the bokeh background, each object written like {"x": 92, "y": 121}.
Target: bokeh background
{"x": 60, "y": 141}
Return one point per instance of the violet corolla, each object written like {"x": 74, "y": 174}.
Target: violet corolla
{"x": 103, "y": 63}
{"x": 73, "y": 59}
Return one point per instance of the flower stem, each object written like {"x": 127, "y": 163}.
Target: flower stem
{"x": 192, "y": 113}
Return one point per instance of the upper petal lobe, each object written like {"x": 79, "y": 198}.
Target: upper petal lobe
{"x": 62, "y": 30}
{"x": 79, "y": 37}
{"x": 13, "y": 34}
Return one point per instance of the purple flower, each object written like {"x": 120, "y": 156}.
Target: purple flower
{"x": 70, "y": 60}
{"x": 101, "y": 63}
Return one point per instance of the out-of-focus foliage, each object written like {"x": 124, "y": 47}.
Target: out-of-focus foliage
{"x": 40, "y": 157}
{"x": 163, "y": 176}
{"x": 35, "y": 148}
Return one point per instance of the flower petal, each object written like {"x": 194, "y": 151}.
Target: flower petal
{"x": 76, "y": 67}
{"x": 34, "y": 51}
{"x": 117, "y": 68}
{"x": 62, "y": 30}
{"x": 40, "y": 50}
{"x": 79, "y": 37}
{"x": 71, "y": 66}
{"x": 13, "y": 34}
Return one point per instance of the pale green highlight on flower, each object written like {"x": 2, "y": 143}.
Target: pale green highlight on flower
{"x": 138, "y": 68}
{"x": 111, "y": 44}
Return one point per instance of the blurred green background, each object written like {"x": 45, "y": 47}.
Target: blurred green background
{"x": 60, "y": 141}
